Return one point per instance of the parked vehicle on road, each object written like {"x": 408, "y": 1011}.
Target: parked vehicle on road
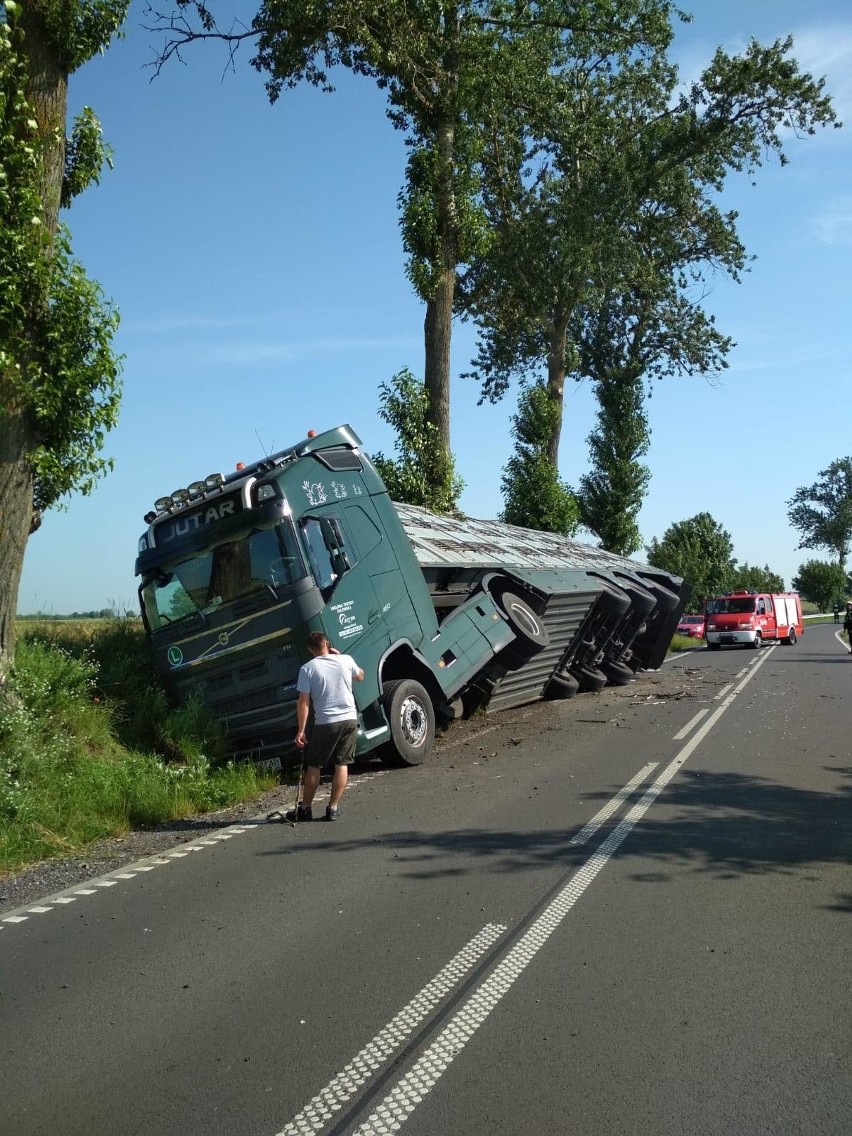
{"x": 691, "y": 625}
{"x": 751, "y": 619}
{"x": 445, "y": 615}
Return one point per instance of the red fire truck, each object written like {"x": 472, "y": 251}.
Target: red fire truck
{"x": 752, "y": 618}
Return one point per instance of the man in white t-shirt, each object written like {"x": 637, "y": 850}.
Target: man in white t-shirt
{"x": 326, "y": 681}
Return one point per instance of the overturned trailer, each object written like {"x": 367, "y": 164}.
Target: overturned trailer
{"x": 444, "y": 615}
{"x": 605, "y": 616}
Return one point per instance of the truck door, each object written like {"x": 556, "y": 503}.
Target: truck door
{"x": 352, "y": 614}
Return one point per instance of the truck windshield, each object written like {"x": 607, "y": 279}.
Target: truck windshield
{"x": 258, "y": 563}
{"x": 727, "y": 605}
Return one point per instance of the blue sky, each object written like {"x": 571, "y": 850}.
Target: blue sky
{"x": 254, "y": 254}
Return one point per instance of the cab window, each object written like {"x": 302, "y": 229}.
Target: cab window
{"x": 330, "y": 548}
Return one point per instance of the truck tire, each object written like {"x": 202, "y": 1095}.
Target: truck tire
{"x": 713, "y": 646}
{"x": 561, "y": 686}
{"x": 591, "y": 680}
{"x": 791, "y": 638}
{"x": 411, "y": 717}
{"x": 618, "y": 673}
{"x": 758, "y": 641}
{"x": 530, "y": 633}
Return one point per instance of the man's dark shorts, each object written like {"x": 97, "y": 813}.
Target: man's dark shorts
{"x": 333, "y": 744}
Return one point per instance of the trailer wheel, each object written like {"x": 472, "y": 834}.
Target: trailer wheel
{"x": 530, "y": 633}
{"x": 791, "y": 638}
{"x": 561, "y": 686}
{"x": 411, "y": 717}
{"x": 591, "y": 680}
{"x": 618, "y": 673}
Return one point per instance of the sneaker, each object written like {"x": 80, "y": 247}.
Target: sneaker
{"x": 301, "y": 812}
{"x": 332, "y": 813}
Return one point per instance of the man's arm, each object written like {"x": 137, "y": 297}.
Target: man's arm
{"x": 303, "y": 706}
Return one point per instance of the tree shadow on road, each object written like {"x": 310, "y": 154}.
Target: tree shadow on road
{"x": 726, "y": 825}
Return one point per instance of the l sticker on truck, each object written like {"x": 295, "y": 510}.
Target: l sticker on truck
{"x": 349, "y": 624}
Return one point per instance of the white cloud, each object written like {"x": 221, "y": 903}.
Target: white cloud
{"x": 165, "y": 324}
{"x": 285, "y": 352}
{"x": 827, "y": 51}
{"x": 834, "y": 226}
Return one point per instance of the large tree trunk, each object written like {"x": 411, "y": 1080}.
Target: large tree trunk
{"x": 47, "y": 92}
{"x": 437, "y": 330}
{"x": 556, "y": 385}
{"x": 16, "y": 511}
{"x": 438, "y": 326}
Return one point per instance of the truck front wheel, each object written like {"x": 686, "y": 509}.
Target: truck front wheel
{"x": 411, "y": 717}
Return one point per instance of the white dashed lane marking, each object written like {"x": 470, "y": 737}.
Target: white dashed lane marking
{"x": 690, "y": 725}
{"x": 112, "y": 879}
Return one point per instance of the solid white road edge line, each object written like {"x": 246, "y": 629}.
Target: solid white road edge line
{"x": 606, "y": 812}
{"x": 421, "y": 1078}
{"x": 321, "y": 1108}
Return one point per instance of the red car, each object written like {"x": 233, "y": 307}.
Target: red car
{"x": 691, "y": 625}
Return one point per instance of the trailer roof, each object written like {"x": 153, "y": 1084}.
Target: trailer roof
{"x": 442, "y": 540}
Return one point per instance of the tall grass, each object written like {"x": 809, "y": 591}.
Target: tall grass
{"x": 89, "y": 747}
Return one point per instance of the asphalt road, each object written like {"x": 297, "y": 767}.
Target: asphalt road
{"x": 627, "y": 913}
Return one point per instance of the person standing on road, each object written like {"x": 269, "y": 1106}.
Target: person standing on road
{"x": 847, "y": 624}
{"x": 326, "y": 682}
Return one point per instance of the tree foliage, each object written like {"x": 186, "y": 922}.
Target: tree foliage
{"x": 822, "y": 512}
{"x": 821, "y": 582}
{"x": 535, "y": 497}
{"x": 610, "y": 496}
{"x": 59, "y": 377}
{"x": 701, "y": 551}
{"x": 754, "y": 579}
{"x": 436, "y": 63}
{"x": 421, "y": 473}
{"x": 611, "y": 198}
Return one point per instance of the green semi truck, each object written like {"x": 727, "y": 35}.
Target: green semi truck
{"x": 445, "y": 615}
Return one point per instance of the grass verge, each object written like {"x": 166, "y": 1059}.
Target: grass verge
{"x": 89, "y": 747}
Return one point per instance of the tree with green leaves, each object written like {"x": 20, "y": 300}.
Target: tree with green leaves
{"x": 421, "y": 473}
{"x": 821, "y": 582}
{"x": 701, "y": 551}
{"x": 452, "y": 72}
{"x": 534, "y": 495}
{"x": 610, "y": 496}
{"x": 754, "y": 579}
{"x": 59, "y": 376}
{"x": 822, "y": 512}
{"x": 569, "y": 195}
